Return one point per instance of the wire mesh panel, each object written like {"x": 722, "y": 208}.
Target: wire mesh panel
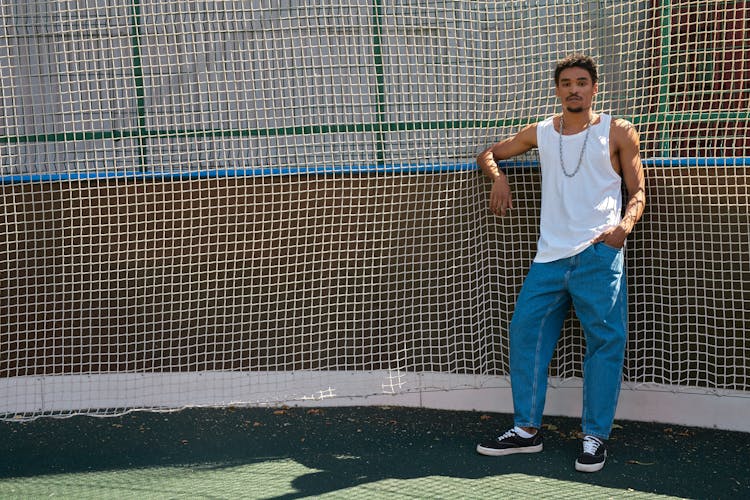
{"x": 215, "y": 202}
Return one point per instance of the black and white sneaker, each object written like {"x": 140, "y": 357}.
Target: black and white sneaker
{"x": 594, "y": 455}
{"x": 510, "y": 443}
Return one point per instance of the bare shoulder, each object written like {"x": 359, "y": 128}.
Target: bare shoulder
{"x": 528, "y": 134}
{"x": 622, "y": 123}
{"x": 623, "y": 126}
{"x": 515, "y": 145}
{"x": 623, "y": 135}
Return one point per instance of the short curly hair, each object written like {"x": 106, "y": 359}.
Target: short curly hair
{"x": 577, "y": 61}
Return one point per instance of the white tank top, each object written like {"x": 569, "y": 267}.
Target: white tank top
{"x": 576, "y": 209}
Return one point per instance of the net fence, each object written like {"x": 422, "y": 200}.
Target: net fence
{"x": 246, "y": 201}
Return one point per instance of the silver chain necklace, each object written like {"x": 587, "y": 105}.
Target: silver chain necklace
{"x": 583, "y": 149}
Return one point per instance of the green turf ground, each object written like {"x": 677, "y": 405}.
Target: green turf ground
{"x": 353, "y": 453}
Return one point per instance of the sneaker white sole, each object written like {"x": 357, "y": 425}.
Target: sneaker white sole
{"x": 493, "y": 452}
{"x": 590, "y": 467}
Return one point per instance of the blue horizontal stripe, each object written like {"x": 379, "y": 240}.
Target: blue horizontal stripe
{"x": 334, "y": 170}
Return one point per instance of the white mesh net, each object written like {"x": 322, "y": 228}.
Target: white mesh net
{"x": 252, "y": 201}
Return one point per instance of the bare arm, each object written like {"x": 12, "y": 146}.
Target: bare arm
{"x": 627, "y": 144}
{"x": 501, "y": 198}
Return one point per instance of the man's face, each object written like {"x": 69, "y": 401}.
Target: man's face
{"x": 576, "y": 90}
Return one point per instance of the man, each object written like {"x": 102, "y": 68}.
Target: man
{"x": 584, "y": 158}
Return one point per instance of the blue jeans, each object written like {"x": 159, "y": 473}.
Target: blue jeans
{"x": 594, "y": 281}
